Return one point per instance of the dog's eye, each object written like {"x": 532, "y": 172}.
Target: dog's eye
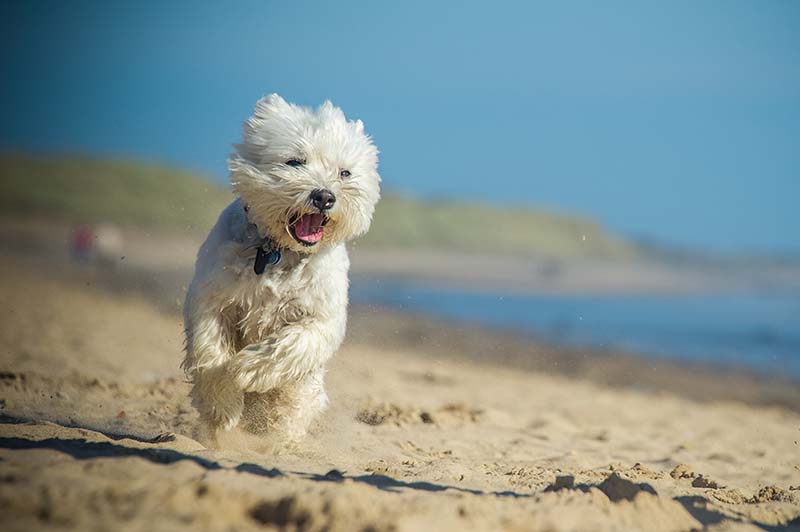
{"x": 295, "y": 163}
{"x": 344, "y": 174}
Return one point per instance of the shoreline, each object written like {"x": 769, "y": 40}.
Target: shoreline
{"x": 699, "y": 381}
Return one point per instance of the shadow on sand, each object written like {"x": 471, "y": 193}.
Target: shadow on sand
{"x": 386, "y": 483}
{"x": 700, "y": 509}
{"x": 82, "y": 449}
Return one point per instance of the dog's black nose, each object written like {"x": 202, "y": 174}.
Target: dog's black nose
{"x": 323, "y": 199}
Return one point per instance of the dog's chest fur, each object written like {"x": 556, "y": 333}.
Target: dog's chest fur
{"x": 298, "y": 289}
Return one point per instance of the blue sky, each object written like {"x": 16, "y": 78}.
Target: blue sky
{"x": 672, "y": 120}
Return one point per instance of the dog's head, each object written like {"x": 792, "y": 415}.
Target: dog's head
{"x": 309, "y": 177}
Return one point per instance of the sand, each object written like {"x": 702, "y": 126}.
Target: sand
{"x": 97, "y": 433}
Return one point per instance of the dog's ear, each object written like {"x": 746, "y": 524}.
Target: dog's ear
{"x": 271, "y": 104}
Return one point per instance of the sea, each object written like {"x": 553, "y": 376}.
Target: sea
{"x": 759, "y": 331}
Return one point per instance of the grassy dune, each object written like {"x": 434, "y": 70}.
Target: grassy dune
{"x": 476, "y": 227}
{"x": 145, "y": 195}
{"x": 127, "y": 193}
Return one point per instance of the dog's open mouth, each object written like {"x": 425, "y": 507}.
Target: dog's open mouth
{"x": 308, "y": 228}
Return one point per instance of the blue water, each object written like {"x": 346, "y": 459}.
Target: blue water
{"x": 751, "y": 330}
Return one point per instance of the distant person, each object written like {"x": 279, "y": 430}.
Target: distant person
{"x": 81, "y": 244}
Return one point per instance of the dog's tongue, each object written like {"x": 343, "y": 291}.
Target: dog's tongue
{"x": 309, "y": 228}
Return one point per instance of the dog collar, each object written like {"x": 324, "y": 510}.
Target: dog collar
{"x": 267, "y": 253}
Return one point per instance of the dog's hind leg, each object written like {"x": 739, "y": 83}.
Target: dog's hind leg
{"x": 284, "y": 414}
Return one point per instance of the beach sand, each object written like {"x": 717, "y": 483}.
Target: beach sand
{"x": 426, "y": 431}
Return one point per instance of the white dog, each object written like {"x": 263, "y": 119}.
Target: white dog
{"x": 268, "y": 303}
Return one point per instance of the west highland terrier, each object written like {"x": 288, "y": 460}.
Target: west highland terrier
{"x": 267, "y": 306}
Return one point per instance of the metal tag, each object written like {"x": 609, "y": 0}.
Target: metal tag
{"x": 271, "y": 257}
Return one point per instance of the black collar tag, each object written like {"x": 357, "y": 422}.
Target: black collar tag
{"x": 271, "y": 257}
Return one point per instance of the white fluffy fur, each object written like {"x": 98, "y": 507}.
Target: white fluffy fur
{"x": 257, "y": 345}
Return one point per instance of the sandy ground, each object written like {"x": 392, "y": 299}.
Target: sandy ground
{"x": 96, "y": 433}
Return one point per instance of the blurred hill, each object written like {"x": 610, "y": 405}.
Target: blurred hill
{"x": 79, "y": 189}
{"x": 472, "y": 227}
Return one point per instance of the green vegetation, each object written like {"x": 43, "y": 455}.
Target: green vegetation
{"x": 90, "y": 190}
{"x": 484, "y": 228}
{"x": 132, "y": 193}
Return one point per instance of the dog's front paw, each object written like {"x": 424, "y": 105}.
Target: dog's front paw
{"x": 258, "y": 379}
{"x": 254, "y": 369}
{"x": 226, "y": 416}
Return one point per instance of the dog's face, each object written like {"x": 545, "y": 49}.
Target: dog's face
{"x": 309, "y": 177}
